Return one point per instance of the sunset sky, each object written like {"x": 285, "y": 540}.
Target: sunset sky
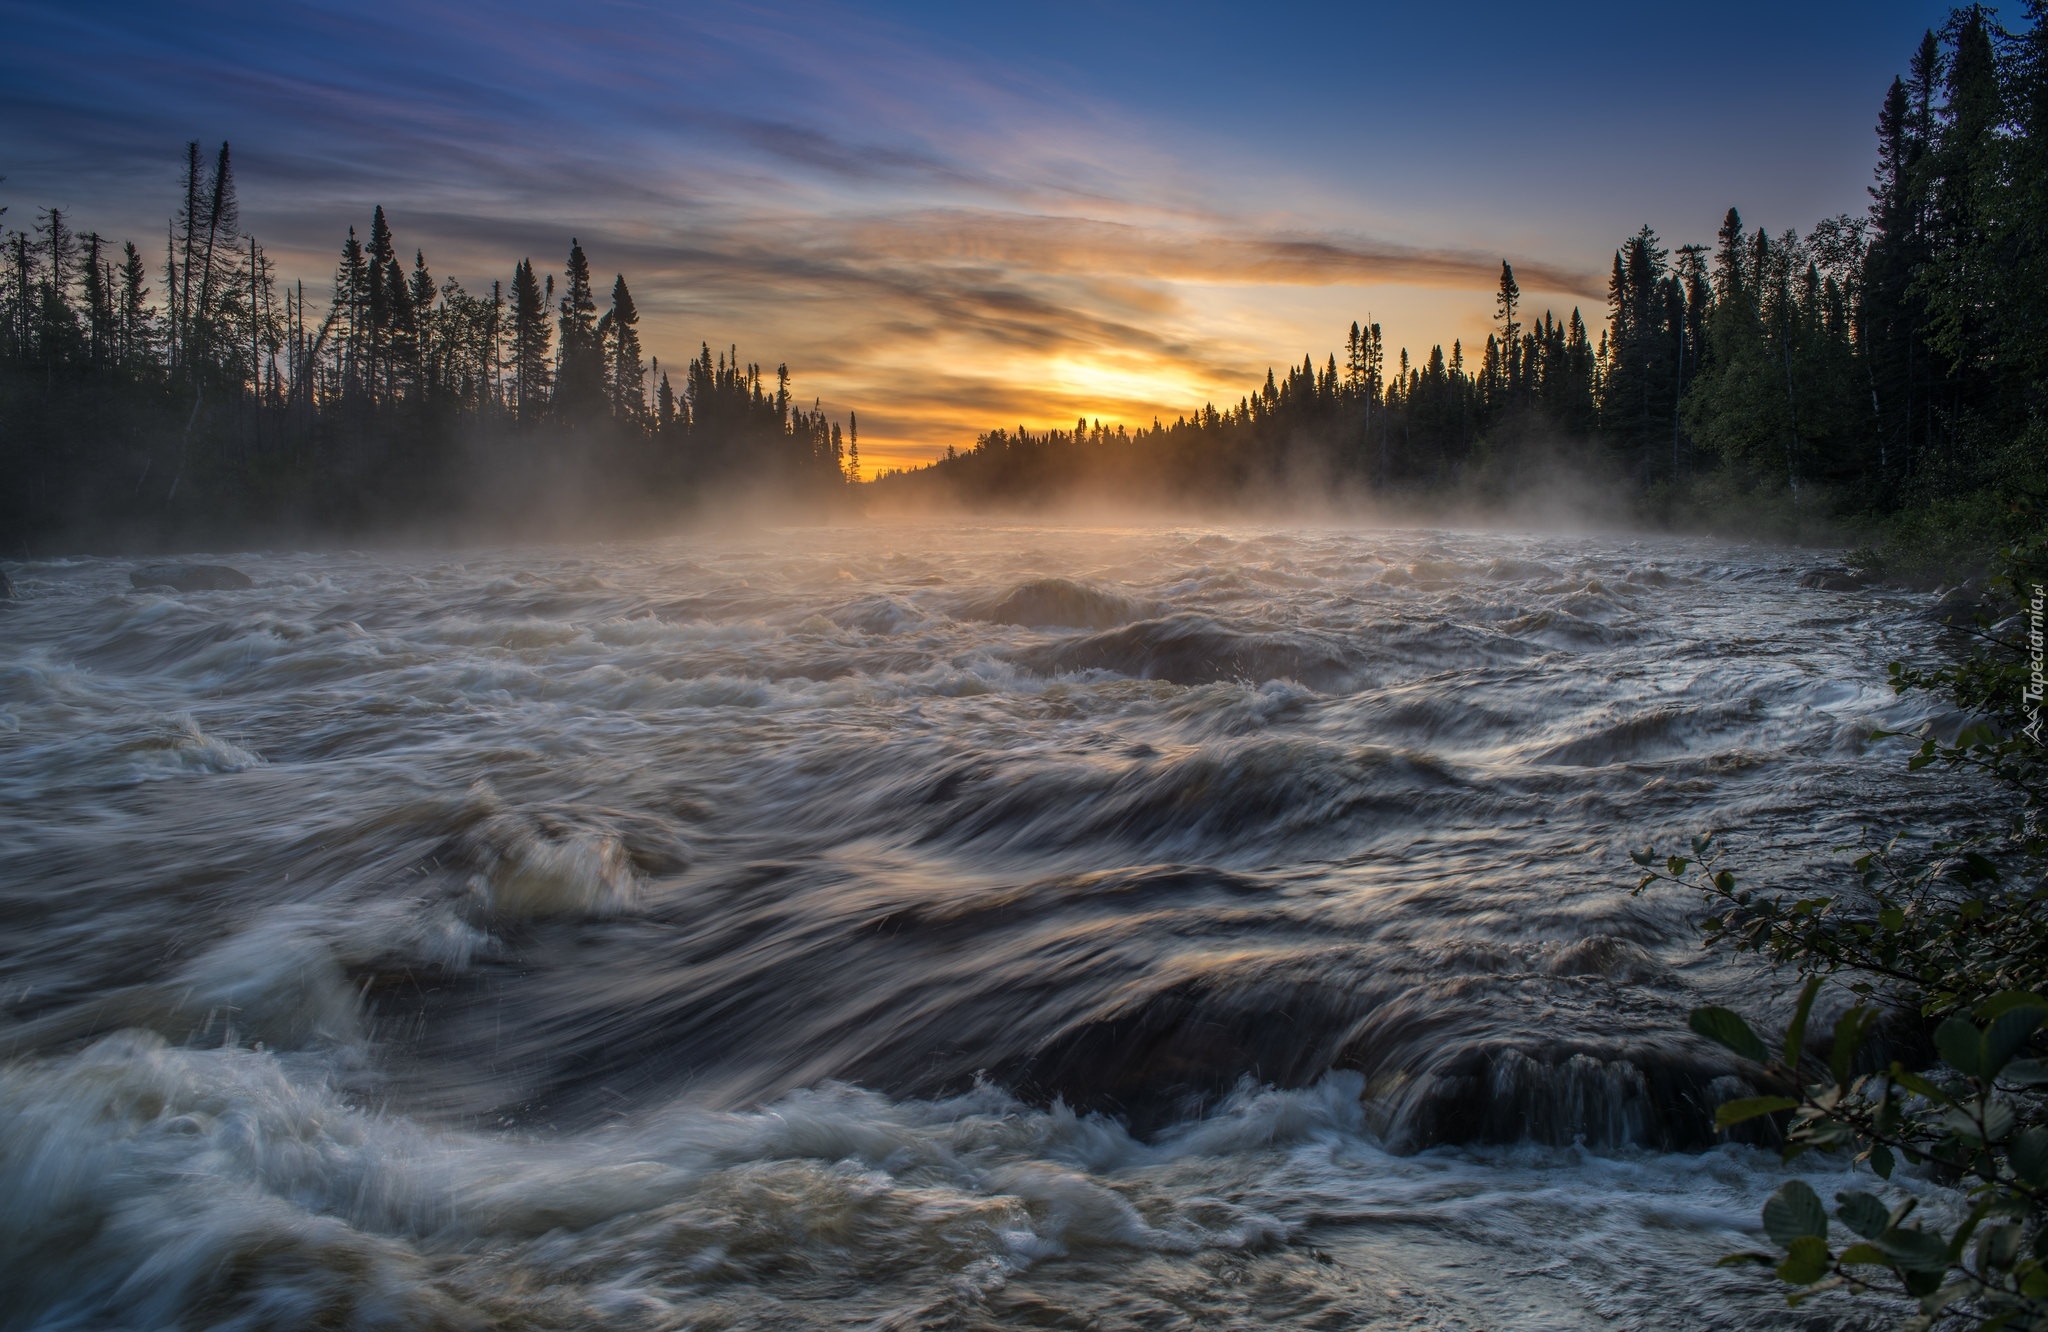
{"x": 953, "y": 216}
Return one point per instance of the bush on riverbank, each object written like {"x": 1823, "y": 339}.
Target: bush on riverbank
{"x": 1954, "y": 941}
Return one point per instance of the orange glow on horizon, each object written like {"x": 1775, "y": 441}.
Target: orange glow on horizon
{"x": 949, "y": 358}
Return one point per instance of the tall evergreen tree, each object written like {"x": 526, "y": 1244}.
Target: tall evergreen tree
{"x": 580, "y": 375}
{"x": 627, "y": 374}
{"x": 1505, "y": 303}
{"x": 377, "y": 309}
{"x": 137, "y": 343}
{"x": 352, "y": 294}
{"x": 530, "y": 338}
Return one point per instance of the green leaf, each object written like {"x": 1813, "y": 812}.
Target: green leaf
{"x": 1892, "y": 919}
{"x": 1747, "y": 1260}
{"x": 1961, "y": 1046}
{"x": 1643, "y": 858}
{"x": 1915, "y": 1250}
{"x": 1806, "y": 1260}
{"x": 2007, "y": 1036}
{"x": 1916, "y": 1084}
{"x": 1998, "y": 1119}
{"x": 1920, "y": 1281}
{"x": 1795, "y": 1035}
{"x": 2029, "y": 1156}
{"x": 1998, "y": 1005}
{"x": 1863, "y": 1213}
{"x": 1881, "y": 1161}
{"x": 1731, "y": 1113}
{"x": 1976, "y": 868}
{"x": 1725, "y": 1027}
{"x": 1794, "y": 1210}
{"x": 1850, "y": 1029}
{"x": 1676, "y": 866}
{"x": 1864, "y": 1255}
{"x": 1999, "y": 1246}
{"x": 2026, "y": 1072}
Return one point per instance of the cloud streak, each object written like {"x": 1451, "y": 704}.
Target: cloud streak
{"x": 921, "y": 234}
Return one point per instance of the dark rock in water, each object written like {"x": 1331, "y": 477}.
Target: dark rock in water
{"x": 1061, "y": 603}
{"x": 1191, "y": 649}
{"x": 1831, "y": 580}
{"x": 190, "y": 578}
{"x": 1960, "y": 605}
{"x": 1646, "y": 1093}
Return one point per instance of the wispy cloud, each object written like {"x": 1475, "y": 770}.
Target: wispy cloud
{"x": 920, "y": 233}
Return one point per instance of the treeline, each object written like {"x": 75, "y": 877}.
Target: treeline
{"x": 1878, "y": 364}
{"x": 203, "y": 397}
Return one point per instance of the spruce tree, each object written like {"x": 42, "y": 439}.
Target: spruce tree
{"x": 580, "y": 386}
{"x": 136, "y": 343}
{"x": 351, "y": 302}
{"x": 185, "y": 241}
{"x": 664, "y": 406}
{"x": 1505, "y": 301}
{"x": 377, "y": 309}
{"x": 217, "y": 260}
{"x": 627, "y": 374}
{"x": 530, "y": 338}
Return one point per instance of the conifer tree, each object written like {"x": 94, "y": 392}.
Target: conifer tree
{"x": 580, "y": 381}
{"x": 136, "y": 341}
{"x": 185, "y": 240}
{"x": 377, "y": 309}
{"x": 1505, "y": 302}
{"x": 57, "y": 324}
{"x": 99, "y": 302}
{"x": 530, "y": 338}
{"x": 627, "y": 374}
{"x": 664, "y": 406}
{"x": 217, "y": 259}
{"x": 352, "y": 287}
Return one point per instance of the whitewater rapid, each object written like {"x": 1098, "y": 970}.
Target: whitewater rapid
{"x": 909, "y": 926}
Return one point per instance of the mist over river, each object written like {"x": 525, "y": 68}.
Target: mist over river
{"x": 924, "y": 926}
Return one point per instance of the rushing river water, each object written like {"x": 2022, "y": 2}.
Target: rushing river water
{"x": 906, "y": 927}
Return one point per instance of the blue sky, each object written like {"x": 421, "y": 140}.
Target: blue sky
{"x": 951, "y": 216}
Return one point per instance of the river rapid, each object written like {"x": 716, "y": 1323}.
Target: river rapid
{"x": 922, "y": 926}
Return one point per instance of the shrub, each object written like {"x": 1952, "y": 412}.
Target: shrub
{"x": 1955, "y": 939}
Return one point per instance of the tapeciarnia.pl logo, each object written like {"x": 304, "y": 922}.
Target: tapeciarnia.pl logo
{"x": 2034, "y": 660}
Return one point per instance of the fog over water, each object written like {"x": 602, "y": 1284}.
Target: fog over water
{"x": 921, "y": 926}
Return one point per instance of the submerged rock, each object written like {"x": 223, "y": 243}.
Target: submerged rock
{"x": 190, "y": 578}
{"x": 1960, "y": 605}
{"x": 6, "y": 586}
{"x": 1831, "y": 580}
{"x": 1061, "y": 603}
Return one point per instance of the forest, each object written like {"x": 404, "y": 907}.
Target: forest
{"x": 204, "y": 400}
{"x": 1884, "y": 372}
{"x": 1879, "y": 373}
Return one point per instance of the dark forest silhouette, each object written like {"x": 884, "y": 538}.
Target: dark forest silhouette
{"x": 205, "y": 399}
{"x": 1880, "y": 365}
{"x": 1888, "y": 363}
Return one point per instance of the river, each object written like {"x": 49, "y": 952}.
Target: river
{"x": 919, "y": 926}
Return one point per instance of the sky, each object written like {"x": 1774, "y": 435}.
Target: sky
{"x": 949, "y": 217}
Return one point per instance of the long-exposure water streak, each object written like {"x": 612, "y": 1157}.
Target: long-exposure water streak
{"x": 917, "y": 926}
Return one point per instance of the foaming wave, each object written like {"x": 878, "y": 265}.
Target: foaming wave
{"x": 154, "y": 1184}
